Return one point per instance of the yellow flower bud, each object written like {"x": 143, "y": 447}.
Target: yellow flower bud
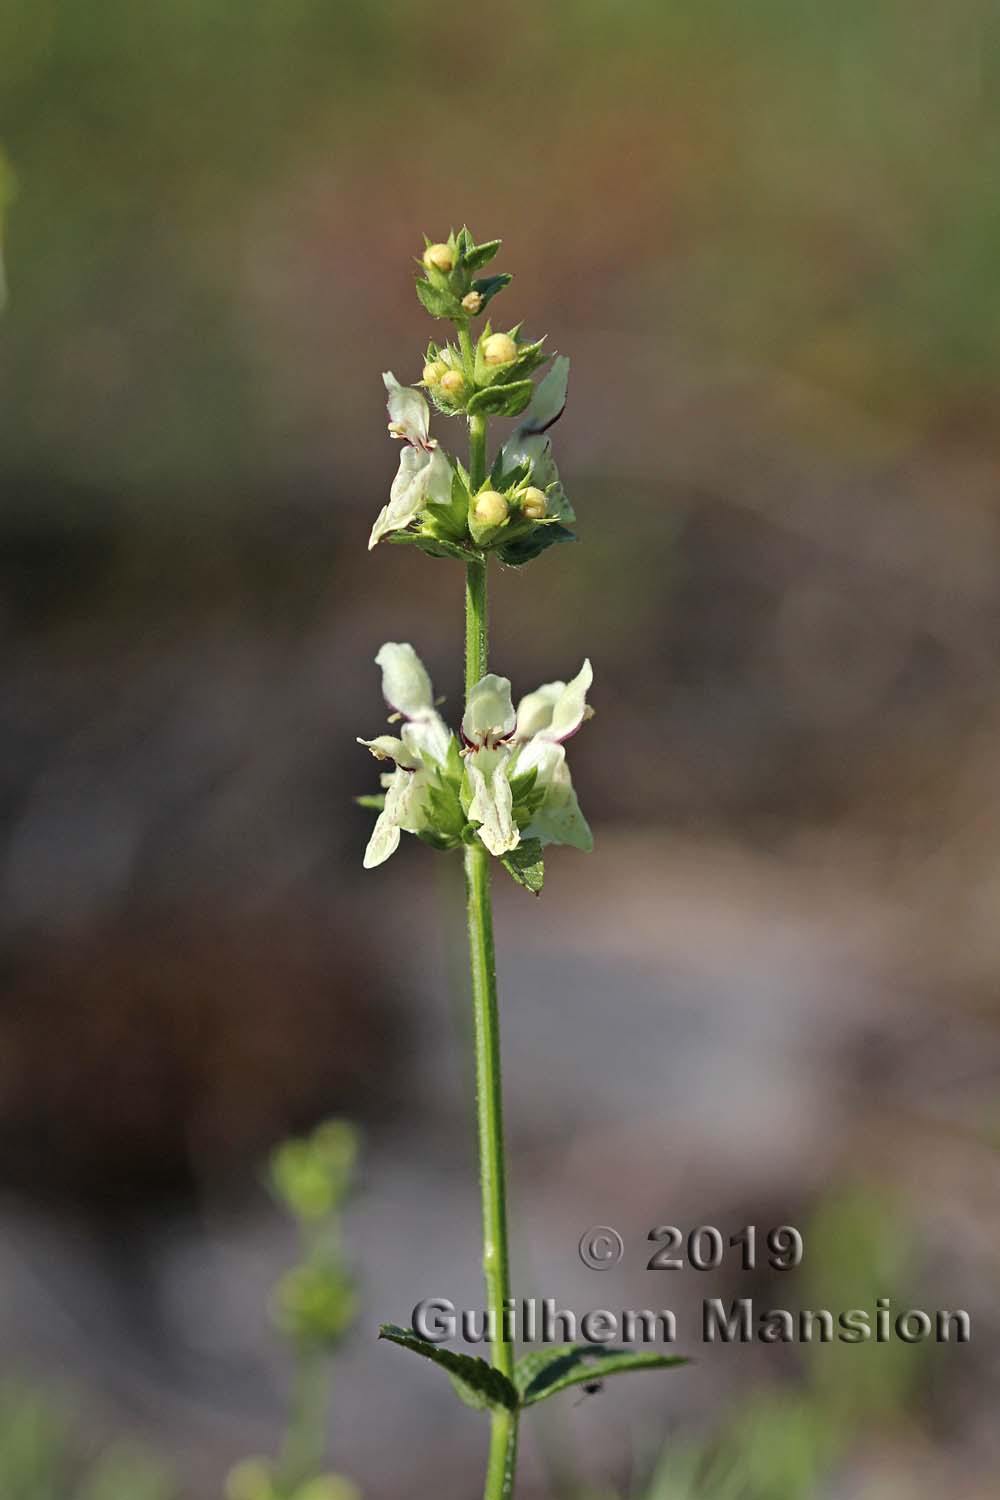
{"x": 472, "y": 302}
{"x": 499, "y": 349}
{"x": 490, "y": 508}
{"x": 534, "y": 505}
{"x": 432, "y": 373}
{"x": 453, "y": 384}
{"x": 438, "y": 258}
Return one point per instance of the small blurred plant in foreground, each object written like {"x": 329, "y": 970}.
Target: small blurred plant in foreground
{"x": 40, "y": 1455}
{"x": 786, "y": 1444}
{"x": 314, "y": 1305}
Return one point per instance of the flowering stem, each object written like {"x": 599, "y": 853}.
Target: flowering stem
{"x": 489, "y": 1095}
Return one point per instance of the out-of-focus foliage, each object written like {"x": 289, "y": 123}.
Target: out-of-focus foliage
{"x": 194, "y": 185}
{"x": 314, "y": 1305}
{"x": 43, "y": 1456}
{"x": 785, "y": 1444}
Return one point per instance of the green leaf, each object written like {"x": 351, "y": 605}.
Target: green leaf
{"x": 549, "y": 400}
{"x": 526, "y": 865}
{"x": 525, "y": 548}
{"x": 438, "y": 302}
{"x": 374, "y": 800}
{"x": 488, "y": 286}
{"x": 435, "y": 546}
{"x": 480, "y": 255}
{"x": 545, "y": 1372}
{"x": 502, "y": 400}
{"x": 478, "y": 1383}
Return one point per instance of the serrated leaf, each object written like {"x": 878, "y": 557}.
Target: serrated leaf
{"x": 526, "y": 865}
{"x": 478, "y": 1384}
{"x": 438, "y": 302}
{"x": 501, "y": 400}
{"x": 480, "y": 255}
{"x": 373, "y": 800}
{"x": 545, "y": 1372}
{"x": 525, "y": 548}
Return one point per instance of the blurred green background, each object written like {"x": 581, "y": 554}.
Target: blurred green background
{"x": 769, "y": 238}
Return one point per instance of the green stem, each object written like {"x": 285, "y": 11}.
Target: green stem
{"x": 476, "y": 625}
{"x": 492, "y": 1174}
{"x": 305, "y": 1443}
{"x": 489, "y": 1094}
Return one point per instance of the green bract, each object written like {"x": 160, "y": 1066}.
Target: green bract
{"x": 506, "y": 783}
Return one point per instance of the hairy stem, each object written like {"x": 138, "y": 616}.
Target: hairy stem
{"x": 489, "y": 1095}
{"x": 476, "y": 625}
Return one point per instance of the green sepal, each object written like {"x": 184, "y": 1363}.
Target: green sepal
{"x": 454, "y": 766}
{"x": 478, "y": 1383}
{"x": 526, "y": 865}
{"x": 507, "y": 479}
{"x": 373, "y": 800}
{"x": 450, "y": 517}
{"x": 485, "y": 536}
{"x": 501, "y": 400}
{"x": 523, "y": 783}
{"x": 446, "y": 813}
{"x": 445, "y": 524}
{"x": 545, "y": 1372}
{"x": 527, "y": 359}
{"x": 526, "y": 796}
{"x": 477, "y": 256}
{"x": 439, "y": 301}
{"x": 436, "y": 840}
{"x": 464, "y": 242}
{"x": 488, "y": 286}
{"x": 525, "y": 548}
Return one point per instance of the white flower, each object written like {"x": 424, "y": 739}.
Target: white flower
{"x": 545, "y": 718}
{"x": 423, "y": 739}
{"x": 409, "y": 414}
{"x": 492, "y": 804}
{"x": 424, "y": 472}
{"x": 501, "y": 747}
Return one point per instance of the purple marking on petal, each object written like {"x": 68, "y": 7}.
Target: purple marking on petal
{"x": 560, "y": 739}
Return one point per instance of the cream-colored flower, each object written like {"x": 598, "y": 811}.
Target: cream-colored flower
{"x": 424, "y": 472}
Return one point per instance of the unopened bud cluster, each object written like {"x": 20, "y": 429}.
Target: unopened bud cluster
{"x": 521, "y": 508}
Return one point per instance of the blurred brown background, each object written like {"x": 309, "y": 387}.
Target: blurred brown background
{"x": 768, "y": 237}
